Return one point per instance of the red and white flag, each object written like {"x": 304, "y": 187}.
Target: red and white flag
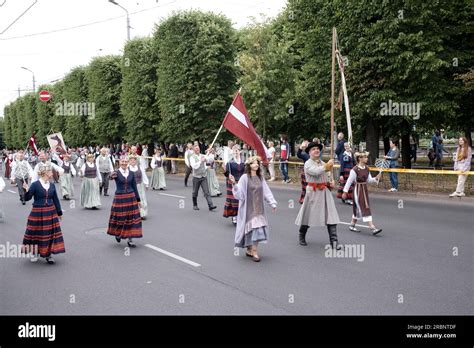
{"x": 32, "y": 144}
{"x": 237, "y": 122}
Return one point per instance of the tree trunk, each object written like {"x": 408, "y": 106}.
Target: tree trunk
{"x": 405, "y": 146}
{"x": 372, "y": 134}
{"x": 467, "y": 134}
{"x": 386, "y": 140}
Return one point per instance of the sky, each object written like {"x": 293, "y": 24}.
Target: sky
{"x": 54, "y": 36}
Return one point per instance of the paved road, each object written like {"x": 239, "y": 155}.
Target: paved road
{"x": 409, "y": 269}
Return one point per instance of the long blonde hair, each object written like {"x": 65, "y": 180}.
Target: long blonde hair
{"x": 462, "y": 150}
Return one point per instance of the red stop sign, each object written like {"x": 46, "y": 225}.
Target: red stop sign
{"x": 44, "y": 96}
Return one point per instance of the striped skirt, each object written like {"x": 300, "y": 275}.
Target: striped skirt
{"x": 231, "y": 205}
{"x": 125, "y": 221}
{"x": 43, "y": 232}
{"x": 340, "y": 189}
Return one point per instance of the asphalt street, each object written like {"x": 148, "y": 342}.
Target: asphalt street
{"x": 422, "y": 263}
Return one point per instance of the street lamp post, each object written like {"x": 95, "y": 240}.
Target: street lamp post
{"x": 128, "y": 17}
{"x": 34, "y": 86}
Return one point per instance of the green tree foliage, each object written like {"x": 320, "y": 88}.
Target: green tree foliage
{"x": 77, "y": 132}
{"x": 2, "y": 132}
{"x": 30, "y": 113}
{"x": 196, "y": 74}
{"x": 137, "y": 100}
{"x": 103, "y": 76}
{"x": 58, "y": 119}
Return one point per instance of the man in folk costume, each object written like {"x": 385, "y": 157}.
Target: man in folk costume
{"x": 347, "y": 163}
{"x": 142, "y": 184}
{"x": 187, "y": 154}
{"x": 318, "y": 207}
{"x": 360, "y": 175}
{"x": 198, "y": 163}
{"x": 67, "y": 187}
{"x": 236, "y": 169}
{"x": 105, "y": 165}
{"x": 21, "y": 172}
{"x": 125, "y": 221}
{"x": 43, "y": 159}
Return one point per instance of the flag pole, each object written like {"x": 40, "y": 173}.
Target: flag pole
{"x": 333, "y": 84}
{"x": 215, "y": 138}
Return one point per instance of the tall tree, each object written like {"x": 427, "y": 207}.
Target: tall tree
{"x": 103, "y": 76}
{"x": 77, "y": 131}
{"x": 196, "y": 74}
{"x": 138, "y": 97}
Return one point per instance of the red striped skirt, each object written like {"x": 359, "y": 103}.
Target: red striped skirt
{"x": 231, "y": 205}
{"x": 125, "y": 221}
{"x": 43, "y": 232}
{"x": 340, "y": 189}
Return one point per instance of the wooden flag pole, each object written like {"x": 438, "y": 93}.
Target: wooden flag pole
{"x": 215, "y": 138}
{"x": 333, "y": 86}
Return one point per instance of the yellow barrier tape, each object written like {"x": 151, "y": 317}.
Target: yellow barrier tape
{"x": 373, "y": 169}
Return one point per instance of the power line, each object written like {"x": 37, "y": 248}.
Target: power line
{"x": 82, "y": 25}
{"x": 18, "y": 16}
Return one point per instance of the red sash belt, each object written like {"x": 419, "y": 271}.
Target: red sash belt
{"x": 318, "y": 186}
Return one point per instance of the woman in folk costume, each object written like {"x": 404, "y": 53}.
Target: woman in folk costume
{"x": 158, "y": 174}
{"x": 236, "y": 168}
{"x": 43, "y": 234}
{"x": 8, "y": 163}
{"x": 347, "y": 164}
{"x": 125, "y": 221}
{"x": 214, "y": 188}
{"x": 90, "y": 188}
{"x": 318, "y": 207}
{"x": 2, "y": 187}
{"x": 360, "y": 176}
{"x": 142, "y": 184}
{"x": 251, "y": 191}
{"x": 67, "y": 187}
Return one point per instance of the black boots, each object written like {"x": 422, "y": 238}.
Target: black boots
{"x": 303, "y": 230}
{"x": 195, "y": 203}
{"x": 332, "y": 230}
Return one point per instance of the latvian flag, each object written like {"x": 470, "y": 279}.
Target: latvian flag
{"x": 238, "y": 123}
{"x": 32, "y": 144}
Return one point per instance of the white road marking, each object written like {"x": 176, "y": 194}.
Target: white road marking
{"x": 177, "y": 257}
{"x": 348, "y": 223}
{"x": 167, "y": 194}
{"x": 12, "y": 191}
